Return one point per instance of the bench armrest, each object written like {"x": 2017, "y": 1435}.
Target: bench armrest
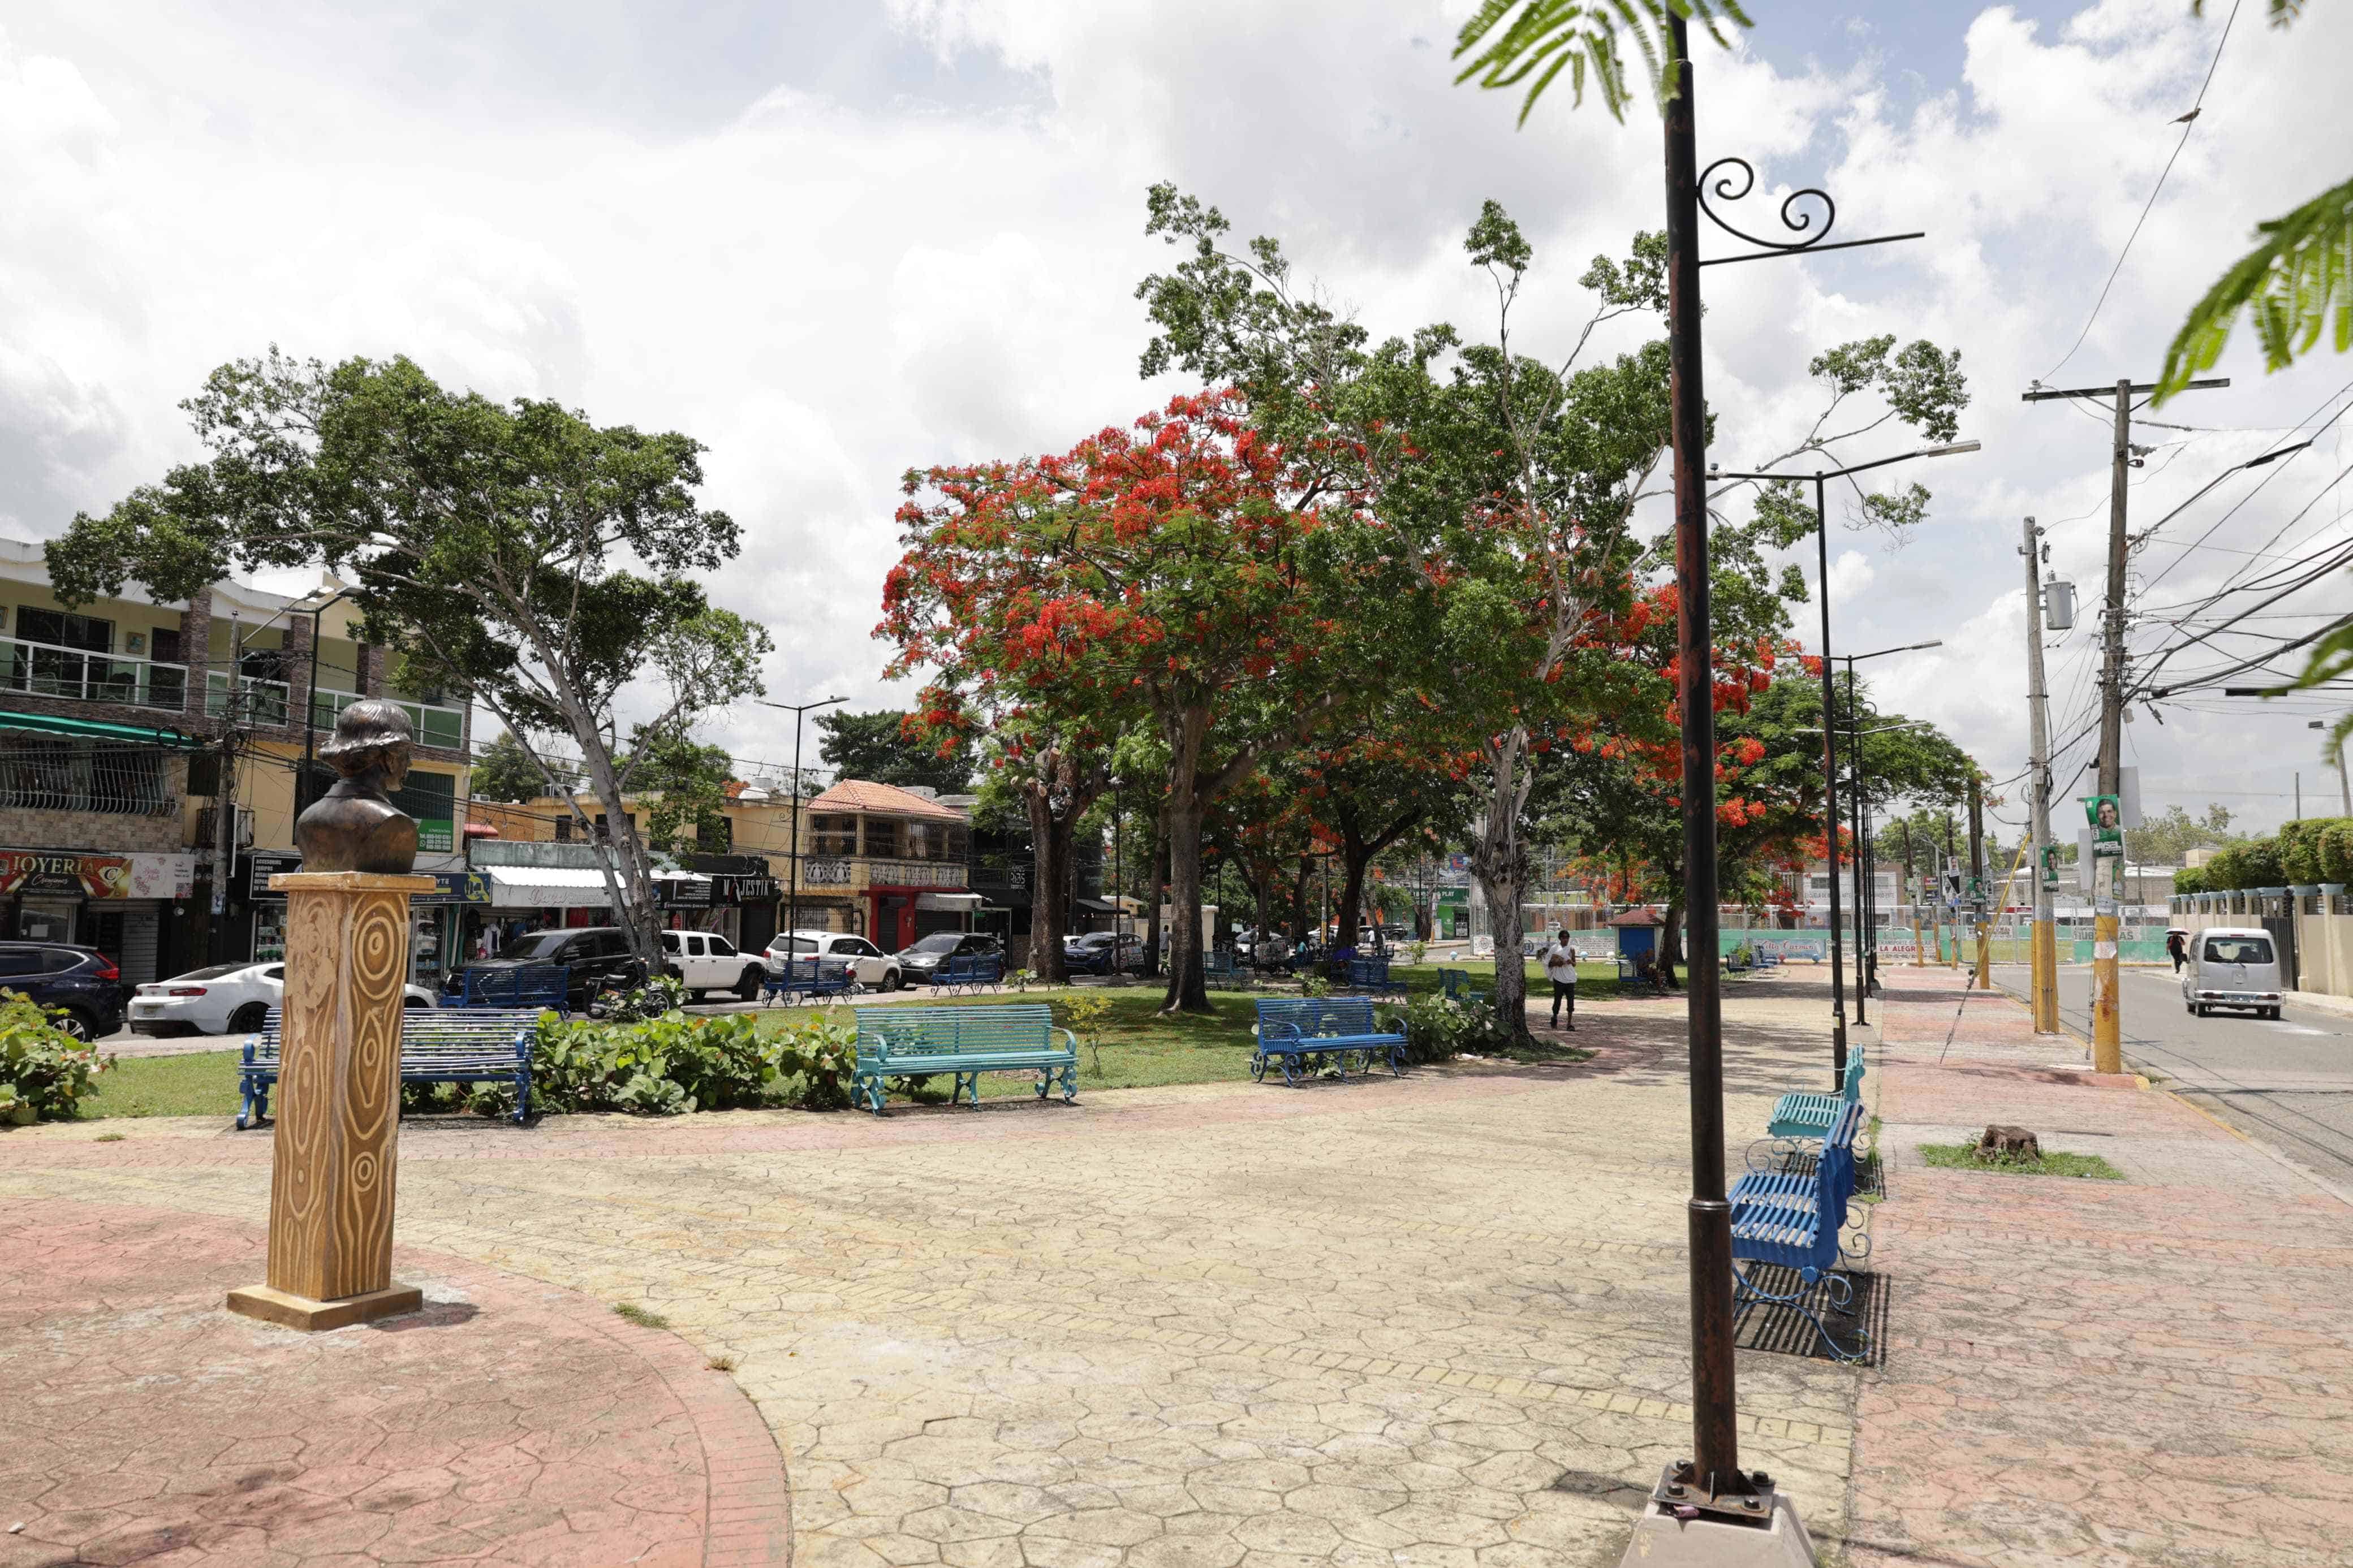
{"x": 1055, "y": 1029}
{"x": 1276, "y": 1033}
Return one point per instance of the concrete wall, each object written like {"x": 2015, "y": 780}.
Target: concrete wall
{"x": 2324, "y": 937}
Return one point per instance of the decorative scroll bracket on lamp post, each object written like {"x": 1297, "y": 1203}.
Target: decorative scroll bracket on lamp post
{"x": 334, "y": 1158}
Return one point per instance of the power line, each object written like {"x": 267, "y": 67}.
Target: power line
{"x": 2188, "y": 125}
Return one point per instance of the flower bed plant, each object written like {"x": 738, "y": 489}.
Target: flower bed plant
{"x": 44, "y": 1074}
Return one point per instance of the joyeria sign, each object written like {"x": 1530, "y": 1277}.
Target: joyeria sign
{"x": 94, "y": 876}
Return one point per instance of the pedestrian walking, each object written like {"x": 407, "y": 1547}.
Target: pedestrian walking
{"x": 1560, "y": 967}
{"x": 2177, "y": 943}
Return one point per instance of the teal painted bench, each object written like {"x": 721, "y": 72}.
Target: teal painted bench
{"x": 438, "y": 1045}
{"x": 914, "y": 1042}
{"x": 1222, "y": 970}
{"x": 1456, "y": 986}
{"x": 1813, "y": 1115}
{"x": 1290, "y": 1031}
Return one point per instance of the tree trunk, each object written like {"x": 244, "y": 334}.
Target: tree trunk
{"x": 1051, "y": 839}
{"x": 1671, "y": 937}
{"x": 1154, "y": 895}
{"x": 1182, "y": 809}
{"x": 1299, "y": 901}
{"x": 1499, "y": 859}
{"x": 1356, "y": 858}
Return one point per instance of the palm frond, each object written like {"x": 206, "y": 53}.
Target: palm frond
{"x": 1543, "y": 37}
{"x": 2295, "y": 283}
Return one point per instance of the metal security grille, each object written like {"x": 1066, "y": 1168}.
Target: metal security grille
{"x": 44, "y": 775}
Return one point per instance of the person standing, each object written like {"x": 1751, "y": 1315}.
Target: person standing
{"x": 1560, "y": 967}
{"x": 2177, "y": 943}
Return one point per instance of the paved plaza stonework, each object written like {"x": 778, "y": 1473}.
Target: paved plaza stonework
{"x": 1437, "y": 1320}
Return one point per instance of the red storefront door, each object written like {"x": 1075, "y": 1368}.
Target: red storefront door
{"x": 894, "y": 920}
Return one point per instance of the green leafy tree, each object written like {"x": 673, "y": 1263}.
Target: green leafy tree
{"x": 504, "y": 770}
{"x": 516, "y": 553}
{"x": 889, "y": 746}
{"x": 684, "y": 789}
{"x": 2163, "y": 840}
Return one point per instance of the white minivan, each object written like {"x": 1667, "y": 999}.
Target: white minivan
{"x": 705, "y": 961}
{"x": 2232, "y": 966}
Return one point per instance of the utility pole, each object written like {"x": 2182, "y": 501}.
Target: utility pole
{"x": 2042, "y": 951}
{"x": 2108, "y": 1023}
{"x": 1976, "y": 883}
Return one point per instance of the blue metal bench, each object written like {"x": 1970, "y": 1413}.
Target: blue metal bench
{"x": 968, "y": 971}
{"x": 531, "y": 986}
{"x": 1290, "y": 1031}
{"x": 1455, "y": 985}
{"x": 1792, "y": 1219}
{"x": 1372, "y": 974}
{"x": 915, "y": 1042}
{"x": 807, "y": 978}
{"x": 438, "y": 1045}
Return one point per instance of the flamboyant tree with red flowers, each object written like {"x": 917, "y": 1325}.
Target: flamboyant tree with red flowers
{"x": 1169, "y": 574}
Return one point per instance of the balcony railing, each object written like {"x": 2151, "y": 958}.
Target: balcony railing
{"x": 262, "y": 702}
{"x": 434, "y": 725}
{"x": 840, "y": 871}
{"x": 44, "y": 669}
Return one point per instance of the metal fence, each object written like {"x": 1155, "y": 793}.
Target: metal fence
{"x": 41, "y": 775}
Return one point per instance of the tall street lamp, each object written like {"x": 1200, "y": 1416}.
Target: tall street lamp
{"x": 793, "y": 900}
{"x": 1866, "y": 890}
{"x": 1829, "y": 726}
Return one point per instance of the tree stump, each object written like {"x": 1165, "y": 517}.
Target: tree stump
{"x": 2002, "y": 1144}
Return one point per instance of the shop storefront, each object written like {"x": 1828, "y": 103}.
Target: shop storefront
{"x": 437, "y": 921}
{"x": 115, "y": 903}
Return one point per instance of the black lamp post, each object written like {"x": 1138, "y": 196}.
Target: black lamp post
{"x": 1711, "y": 1481}
{"x": 793, "y": 899}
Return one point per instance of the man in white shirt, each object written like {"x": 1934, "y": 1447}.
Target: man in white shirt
{"x": 1560, "y": 967}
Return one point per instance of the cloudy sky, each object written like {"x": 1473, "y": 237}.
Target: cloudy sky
{"x": 835, "y": 240}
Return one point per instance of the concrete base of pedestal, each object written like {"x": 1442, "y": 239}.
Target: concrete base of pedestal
{"x": 1662, "y": 1540}
{"x": 292, "y": 1312}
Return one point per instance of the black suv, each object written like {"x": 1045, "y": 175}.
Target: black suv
{"x": 598, "y": 956}
{"x": 82, "y": 980}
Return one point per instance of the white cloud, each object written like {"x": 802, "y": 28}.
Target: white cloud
{"x": 846, "y": 271}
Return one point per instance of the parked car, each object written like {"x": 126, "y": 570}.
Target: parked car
{"x": 225, "y": 999}
{"x": 917, "y": 962}
{"x": 598, "y": 957}
{"x": 874, "y": 968}
{"x": 2232, "y": 966}
{"x": 1103, "y": 952}
{"x": 704, "y": 961}
{"x": 82, "y": 980}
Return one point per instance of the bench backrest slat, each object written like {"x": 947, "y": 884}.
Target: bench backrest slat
{"x": 529, "y": 985}
{"x": 946, "y": 1031}
{"x": 1851, "y": 1088}
{"x": 436, "y": 1029}
{"x": 1314, "y": 1015}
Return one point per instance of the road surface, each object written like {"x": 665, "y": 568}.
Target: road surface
{"x": 2288, "y": 1084}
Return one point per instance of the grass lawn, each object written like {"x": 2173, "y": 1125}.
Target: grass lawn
{"x": 200, "y": 1085}
{"x": 1963, "y": 1157}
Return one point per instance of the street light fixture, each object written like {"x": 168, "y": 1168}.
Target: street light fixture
{"x": 1822, "y": 477}
{"x": 793, "y": 900}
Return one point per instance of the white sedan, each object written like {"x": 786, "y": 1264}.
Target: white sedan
{"x": 227, "y": 999}
{"x": 875, "y": 969}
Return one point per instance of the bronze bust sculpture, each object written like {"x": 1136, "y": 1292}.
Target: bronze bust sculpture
{"x": 354, "y": 826}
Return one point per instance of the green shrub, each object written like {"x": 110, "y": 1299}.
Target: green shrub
{"x": 2301, "y": 854}
{"x": 2191, "y": 880}
{"x": 2337, "y": 852}
{"x": 2260, "y": 863}
{"x": 2224, "y": 871}
{"x": 661, "y": 994}
{"x": 1436, "y": 1029}
{"x": 43, "y": 1072}
{"x": 672, "y": 1064}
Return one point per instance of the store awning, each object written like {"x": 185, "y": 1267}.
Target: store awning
{"x": 93, "y": 730}
{"x": 546, "y": 888}
{"x": 1099, "y": 906}
{"x": 947, "y": 901}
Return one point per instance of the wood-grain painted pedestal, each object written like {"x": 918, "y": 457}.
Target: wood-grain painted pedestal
{"x": 331, "y": 1179}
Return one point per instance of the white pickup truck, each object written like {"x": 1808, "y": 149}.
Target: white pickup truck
{"x": 705, "y": 961}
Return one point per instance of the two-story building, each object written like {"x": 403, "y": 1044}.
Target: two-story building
{"x": 125, "y": 721}
{"x": 888, "y": 863}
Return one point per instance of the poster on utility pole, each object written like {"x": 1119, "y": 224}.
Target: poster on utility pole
{"x": 2107, "y": 818}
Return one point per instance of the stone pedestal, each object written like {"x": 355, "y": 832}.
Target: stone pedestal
{"x": 331, "y": 1177}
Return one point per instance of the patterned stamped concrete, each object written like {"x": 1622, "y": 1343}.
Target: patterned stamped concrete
{"x": 1432, "y": 1321}
{"x": 508, "y": 1423}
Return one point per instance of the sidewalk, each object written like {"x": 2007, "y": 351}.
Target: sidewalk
{"x": 509, "y": 1422}
{"x": 2150, "y": 1371}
